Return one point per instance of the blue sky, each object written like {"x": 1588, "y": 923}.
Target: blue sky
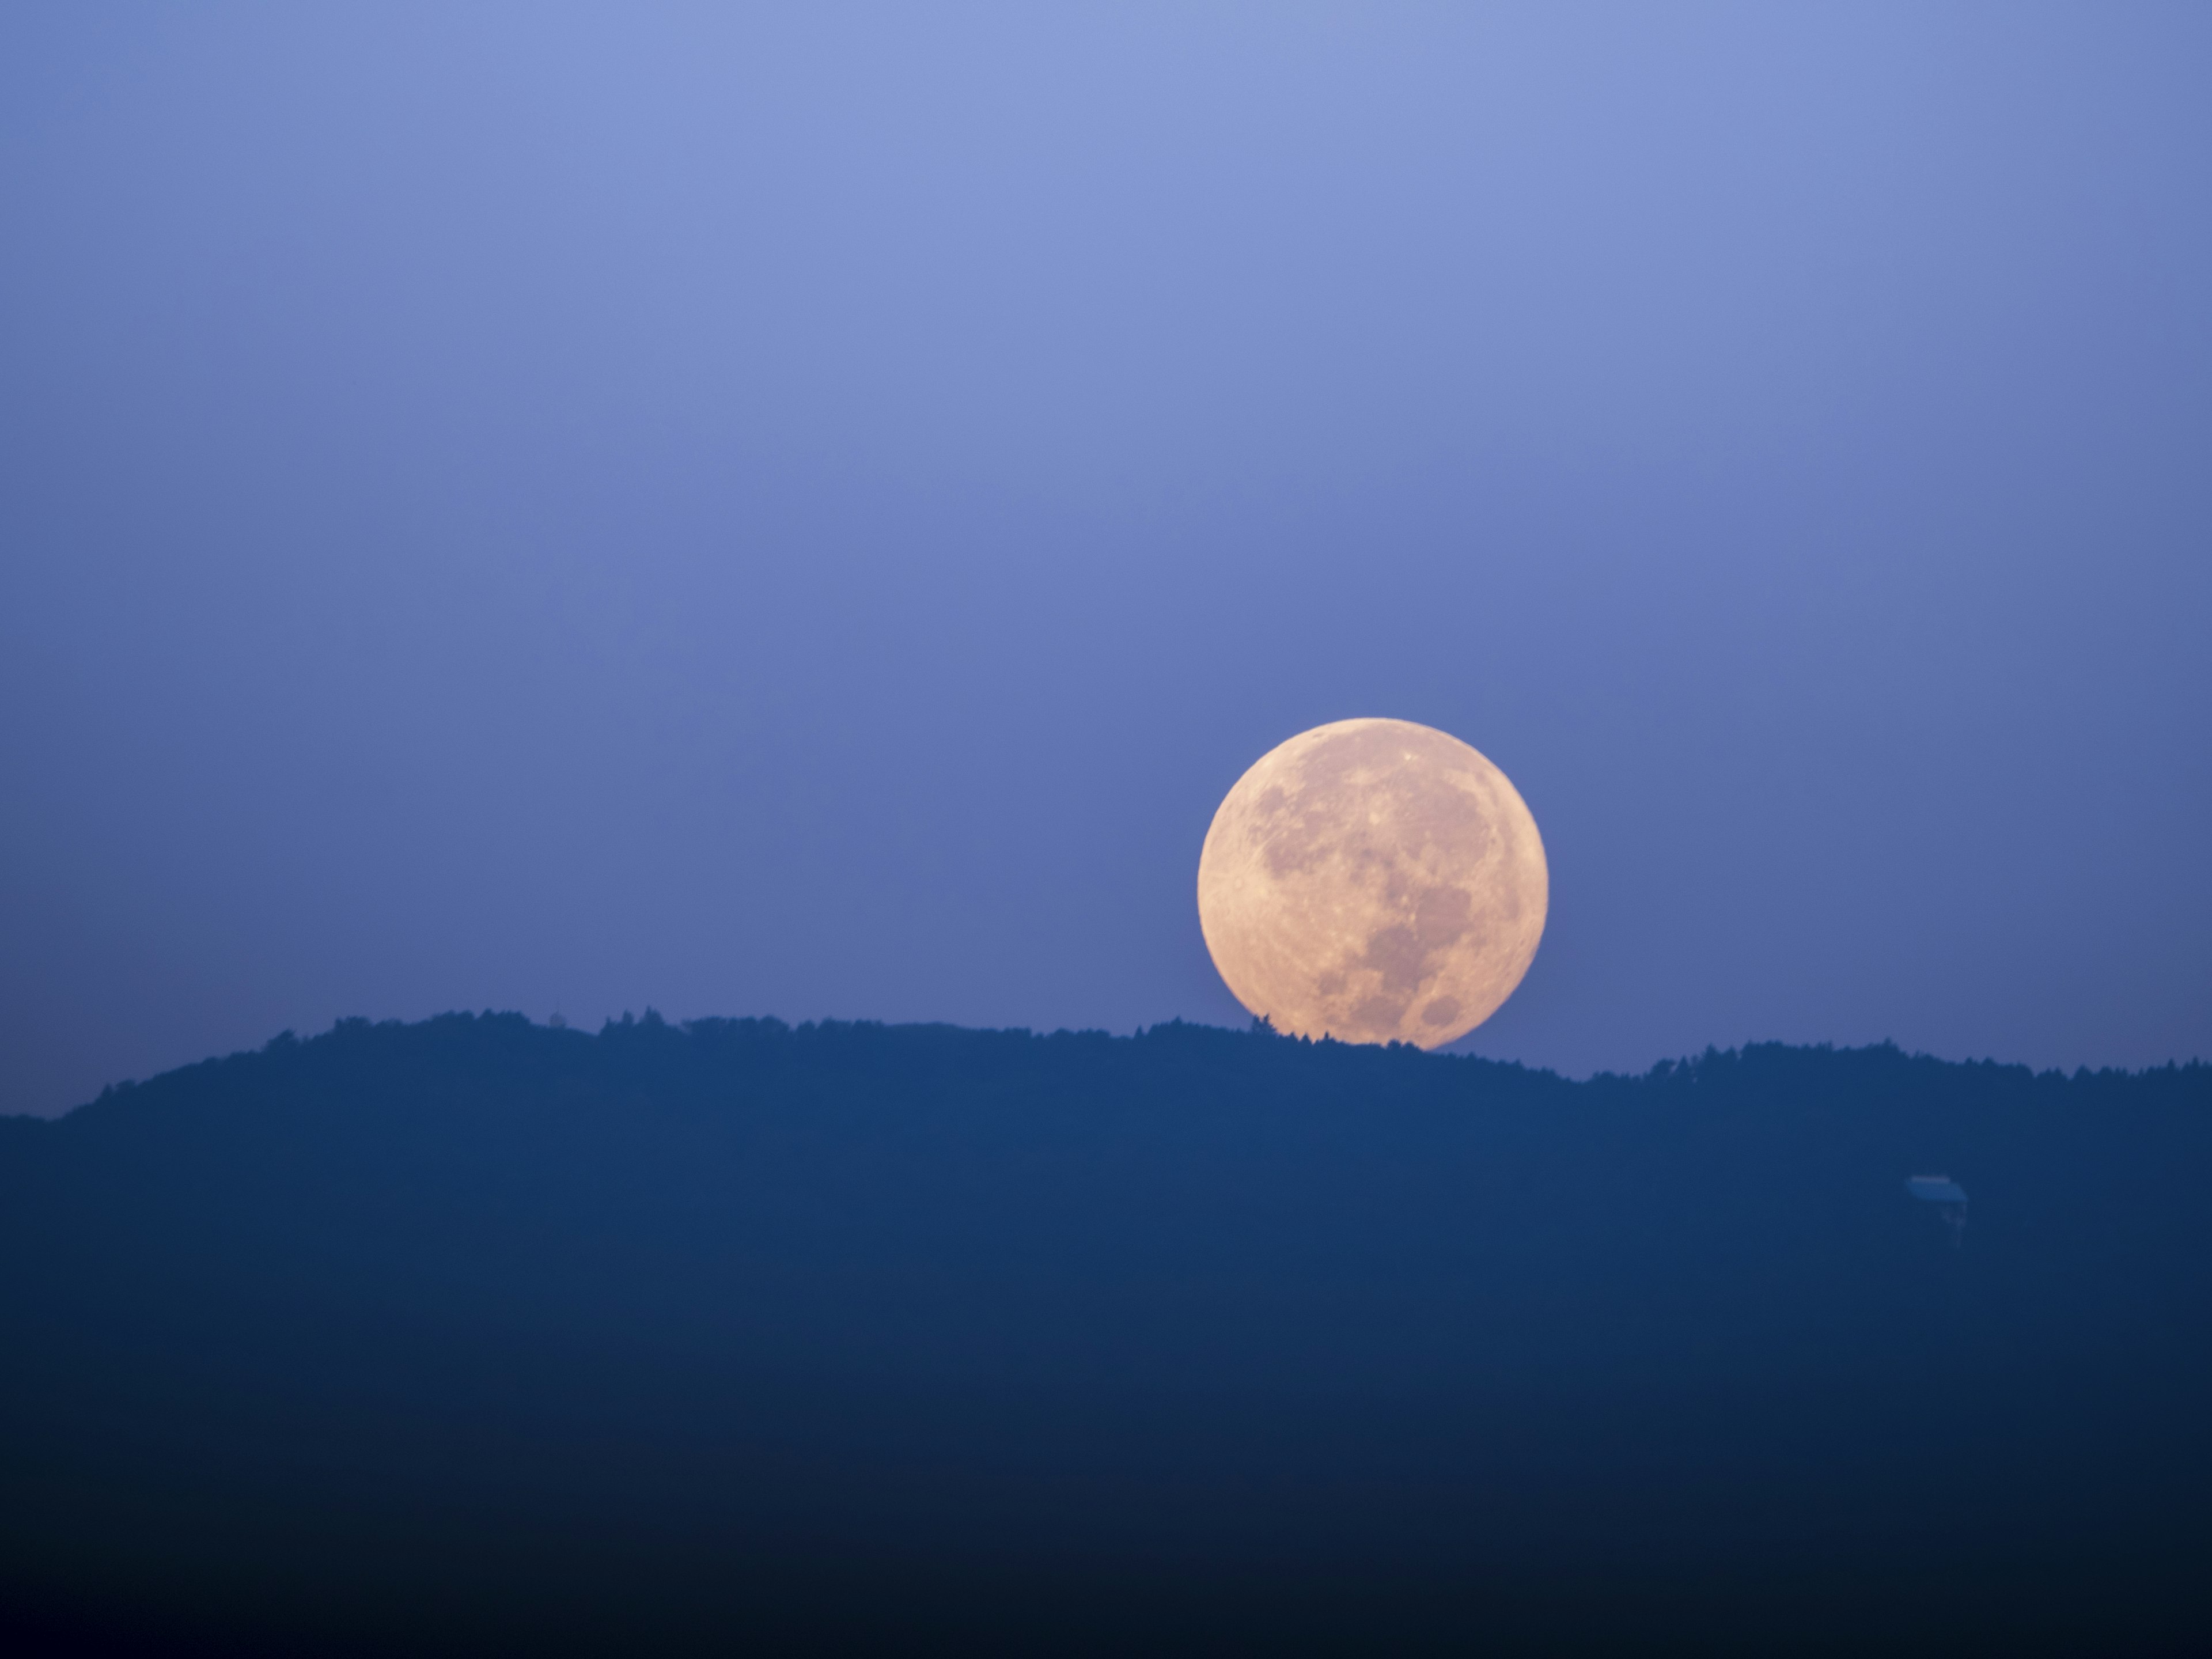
{"x": 807, "y": 512}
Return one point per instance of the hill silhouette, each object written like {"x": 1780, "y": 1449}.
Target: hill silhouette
{"x": 478, "y": 1335}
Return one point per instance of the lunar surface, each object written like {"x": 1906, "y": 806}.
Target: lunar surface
{"x": 1375, "y": 881}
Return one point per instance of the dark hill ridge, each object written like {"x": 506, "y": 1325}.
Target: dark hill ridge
{"x": 507, "y": 1337}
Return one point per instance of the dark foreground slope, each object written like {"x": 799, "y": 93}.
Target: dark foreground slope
{"x": 487, "y": 1336}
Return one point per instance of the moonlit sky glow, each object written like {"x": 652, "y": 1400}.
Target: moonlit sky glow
{"x": 808, "y": 512}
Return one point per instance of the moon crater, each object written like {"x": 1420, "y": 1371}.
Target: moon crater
{"x": 1375, "y": 881}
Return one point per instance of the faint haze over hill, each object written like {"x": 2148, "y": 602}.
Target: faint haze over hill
{"x": 807, "y": 511}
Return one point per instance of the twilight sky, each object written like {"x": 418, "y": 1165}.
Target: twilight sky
{"x": 808, "y": 513}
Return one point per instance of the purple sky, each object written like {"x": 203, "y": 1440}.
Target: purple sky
{"x": 808, "y": 514}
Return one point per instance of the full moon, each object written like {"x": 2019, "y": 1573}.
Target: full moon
{"x": 1374, "y": 881}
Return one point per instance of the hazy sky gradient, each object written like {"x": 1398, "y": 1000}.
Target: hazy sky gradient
{"x": 808, "y": 513}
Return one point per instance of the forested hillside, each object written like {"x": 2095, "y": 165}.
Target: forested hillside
{"x": 483, "y": 1334}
